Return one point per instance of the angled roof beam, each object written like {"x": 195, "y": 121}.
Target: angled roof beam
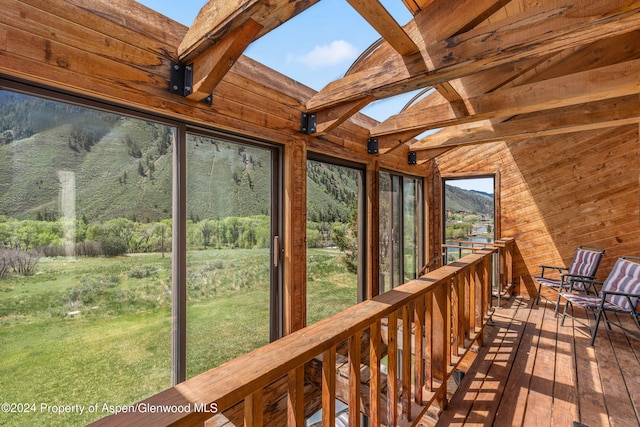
{"x": 587, "y": 86}
{"x": 600, "y": 53}
{"x": 590, "y": 116}
{"x": 210, "y": 67}
{"x": 221, "y": 33}
{"x": 382, "y": 21}
{"x": 540, "y": 31}
{"x": 437, "y": 19}
{"x": 219, "y": 18}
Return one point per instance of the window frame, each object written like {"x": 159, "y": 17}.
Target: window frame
{"x": 420, "y": 213}
{"x": 179, "y": 204}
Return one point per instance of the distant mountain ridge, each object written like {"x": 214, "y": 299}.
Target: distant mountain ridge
{"x": 472, "y": 201}
{"x": 42, "y": 140}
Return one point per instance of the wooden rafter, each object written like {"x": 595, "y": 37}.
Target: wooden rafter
{"x": 595, "y": 115}
{"x": 382, "y": 21}
{"x": 219, "y": 18}
{"x": 592, "y": 85}
{"x": 212, "y": 65}
{"x": 438, "y": 19}
{"x": 471, "y": 52}
{"x": 223, "y": 30}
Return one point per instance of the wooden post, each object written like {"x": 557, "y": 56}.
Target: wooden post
{"x": 295, "y": 253}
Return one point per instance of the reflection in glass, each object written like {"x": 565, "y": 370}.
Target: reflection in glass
{"x": 228, "y": 250}
{"x": 333, "y": 221}
{"x": 400, "y": 230}
{"x": 85, "y": 224}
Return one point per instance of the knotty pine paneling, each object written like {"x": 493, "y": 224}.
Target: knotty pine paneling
{"x": 558, "y": 192}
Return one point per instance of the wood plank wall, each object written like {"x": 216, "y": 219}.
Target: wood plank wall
{"x": 121, "y": 52}
{"x": 559, "y": 192}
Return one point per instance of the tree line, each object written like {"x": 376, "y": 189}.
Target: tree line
{"x": 119, "y": 236}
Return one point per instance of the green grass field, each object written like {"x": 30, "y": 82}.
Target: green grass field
{"x": 87, "y": 332}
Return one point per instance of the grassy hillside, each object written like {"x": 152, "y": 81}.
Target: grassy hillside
{"x": 115, "y": 166}
{"x": 475, "y": 202}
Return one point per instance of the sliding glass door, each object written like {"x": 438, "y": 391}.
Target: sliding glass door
{"x": 400, "y": 229}
{"x": 232, "y": 287}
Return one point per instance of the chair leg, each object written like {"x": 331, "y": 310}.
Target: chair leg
{"x": 606, "y": 319}
{"x": 595, "y": 328}
{"x": 538, "y": 296}
{"x": 557, "y": 305}
{"x": 564, "y": 313}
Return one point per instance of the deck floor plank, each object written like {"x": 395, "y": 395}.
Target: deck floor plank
{"x": 511, "y": 409}
{"x": 533, "y": 371}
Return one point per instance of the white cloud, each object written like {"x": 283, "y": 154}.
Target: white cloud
{"x": 327, "y": 55}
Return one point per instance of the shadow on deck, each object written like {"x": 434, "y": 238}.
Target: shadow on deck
{"x": 533, "y": 371}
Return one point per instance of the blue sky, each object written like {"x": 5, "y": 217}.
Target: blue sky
{"x": 316, "y": 47}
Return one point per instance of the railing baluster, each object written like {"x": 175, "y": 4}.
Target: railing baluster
{"x": 329, "y": 387}
{"x": 295, "y": 398}
{"x": 455, "y": 314}
{"x": 428, "y": 342}
{"x": 478, "y": 303}
{"x": 407, "y": 321}
{"x": 441, "y": 339}
{"x": 374, "y": 373}
{"x": 466, "y": 289}
{"x": 419, "y": 350}
{"x": 253, "y": 409}
{"x": 392, "y": 369}
{"x": 354, "y": 379}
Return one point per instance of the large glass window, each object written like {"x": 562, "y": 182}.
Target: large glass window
{"x": 469, "y": 215}
{"x": 85, "y": 274}
{"x": 334, "y": 235}
{"x": 400, "y": 229}
{"x": 231, "y": 289}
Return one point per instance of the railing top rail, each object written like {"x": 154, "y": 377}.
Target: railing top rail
{"x": 231, "y": 382}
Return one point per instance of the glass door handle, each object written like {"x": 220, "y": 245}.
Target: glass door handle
{"x": 276, "y": 251}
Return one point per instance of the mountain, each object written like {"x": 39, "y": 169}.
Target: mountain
{"x": 459, "y": 200}
{"x": 118, "y": 166}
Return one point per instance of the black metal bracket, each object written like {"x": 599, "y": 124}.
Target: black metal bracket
{"x": 372, "y": 145}
{"x": 181, "y": 81}
{"x": 413, "y": 158}
{"x": 308, "y": 123}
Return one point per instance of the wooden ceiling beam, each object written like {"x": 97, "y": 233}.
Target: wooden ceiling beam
{"x": 440, "y": 20}
{"x": 213, "y": 64}
{"x": 587, "y": 86}
{"x": 540, "y": 31}
{"x": 382, "y": 21}
{"x": 219, "y": 18}
{"x": 595, "y": 115}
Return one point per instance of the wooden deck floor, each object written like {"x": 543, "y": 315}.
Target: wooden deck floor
{"x": 534, "y": 372}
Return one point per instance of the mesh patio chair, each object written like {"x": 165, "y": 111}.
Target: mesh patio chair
{"x": 620, "y": 293}
{"x": 584, "y": 266}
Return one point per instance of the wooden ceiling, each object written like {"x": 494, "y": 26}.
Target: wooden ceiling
{"x": 501, "y": 69}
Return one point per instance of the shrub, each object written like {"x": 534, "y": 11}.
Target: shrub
{"x": 23, "y": 262}
{"x": 113, "y": 246}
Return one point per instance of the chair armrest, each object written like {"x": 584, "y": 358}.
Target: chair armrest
{"x": 588, "y": 282}
{"x": 567, "y": 280}
{"x": 624, "y": 294}
{"x": 552, "y": 267}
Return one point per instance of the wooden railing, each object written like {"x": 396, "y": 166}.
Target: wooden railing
{"x": 357, "y": 356}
